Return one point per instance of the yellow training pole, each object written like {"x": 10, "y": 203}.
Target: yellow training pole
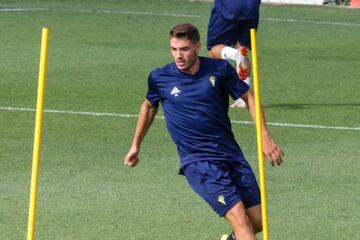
{"x": 37, "y": 135}
{"x": 259, "y": 134}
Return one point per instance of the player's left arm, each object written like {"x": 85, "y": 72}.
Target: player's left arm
{"x": 270, "y": 148}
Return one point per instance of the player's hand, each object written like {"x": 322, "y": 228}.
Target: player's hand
{"x": 131, "y": 158}
{"x": 272, "y": 151}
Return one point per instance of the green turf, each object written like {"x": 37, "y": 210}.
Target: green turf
{"x": 98, "y": 62}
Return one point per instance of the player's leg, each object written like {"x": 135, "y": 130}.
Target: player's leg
{"x": 240, "y": 222}
{"x": 254, "y": 215}
{"x": 215, "y": 51}
{"x": 224, "y": 52}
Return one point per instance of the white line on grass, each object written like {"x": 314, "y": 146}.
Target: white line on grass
{"x": 126, "y": 115}
{"x": 22, "y": 9}
{"x": 101, "y": 11}
{"x": 174, "y": 15}
{"x": 310, "y": 22}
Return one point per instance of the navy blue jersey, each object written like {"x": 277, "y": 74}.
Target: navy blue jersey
{"x": 238, "y": 9}
{"x": 196, "y": 109}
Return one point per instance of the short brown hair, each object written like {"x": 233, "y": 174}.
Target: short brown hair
{"x": 185, "y": 30}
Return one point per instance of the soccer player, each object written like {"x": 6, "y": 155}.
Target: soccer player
{"x": 229, "y": 34}
{"x": 194, "y": 94}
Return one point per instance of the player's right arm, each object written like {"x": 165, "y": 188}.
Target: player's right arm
{"x": 146, "y": 117}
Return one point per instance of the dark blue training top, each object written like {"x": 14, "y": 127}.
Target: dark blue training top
{"x": 196, "y": 109}
{"x": 238, "y": 9}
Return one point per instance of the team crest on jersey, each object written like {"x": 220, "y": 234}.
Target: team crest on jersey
{"x": 175, "y": 92}
{"x": 221, "y": 199}
{"x": 212, "y": 80}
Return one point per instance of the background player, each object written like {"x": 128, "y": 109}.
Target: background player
{"x": 229, "y": 34}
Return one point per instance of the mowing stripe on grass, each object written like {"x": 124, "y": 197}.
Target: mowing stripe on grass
{"x": 126, "y": 115}
{"x": 290, "y": 20}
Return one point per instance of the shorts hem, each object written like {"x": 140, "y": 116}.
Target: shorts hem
{"x": 222, "y": 214}
{"x": 252, "y": 205}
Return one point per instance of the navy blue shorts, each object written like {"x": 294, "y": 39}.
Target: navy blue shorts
{"x": 223, "y": 184}
{"x": 229, "y": 32}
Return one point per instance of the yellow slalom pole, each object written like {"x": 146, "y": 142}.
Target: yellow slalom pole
{"x": 259, "y": 134}
{"x": 37, "y": 135}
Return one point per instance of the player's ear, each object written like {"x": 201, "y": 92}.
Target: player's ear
{"x": 198, "y": 47}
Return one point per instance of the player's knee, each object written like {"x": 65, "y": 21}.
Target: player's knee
{"x": 243, "y": 221}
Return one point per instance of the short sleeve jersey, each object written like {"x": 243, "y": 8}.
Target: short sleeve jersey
{"x": 238, "y": 9}
{"x": 196, "y": 109}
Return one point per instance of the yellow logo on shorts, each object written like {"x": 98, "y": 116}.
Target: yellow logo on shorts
{"x": 212, "y": 80}
{"x": 221, "y": 199}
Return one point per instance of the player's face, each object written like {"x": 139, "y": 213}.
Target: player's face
{"x": 185, "y": 54}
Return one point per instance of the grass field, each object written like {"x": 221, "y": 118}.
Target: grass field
{"x": 100, "y": 53}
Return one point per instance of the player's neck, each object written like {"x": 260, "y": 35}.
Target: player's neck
{"x": 194, "y": 68}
